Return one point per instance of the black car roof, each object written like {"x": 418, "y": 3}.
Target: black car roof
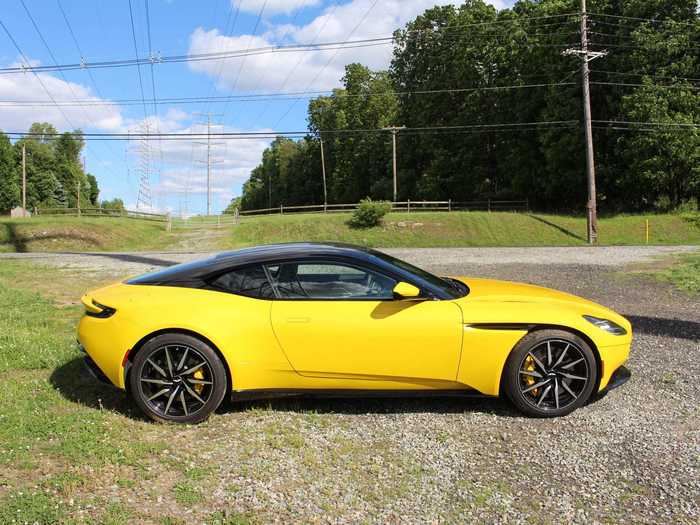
{"x": 291, "y": 249}
{"x": 195, "y": 270}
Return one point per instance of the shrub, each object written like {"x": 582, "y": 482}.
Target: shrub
{"x": 369, "y": 213}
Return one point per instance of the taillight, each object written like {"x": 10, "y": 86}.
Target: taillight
{"x": 95, "y": 309}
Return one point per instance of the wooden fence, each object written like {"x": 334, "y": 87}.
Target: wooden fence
{"x": 103, "y": 212}
{"x": 407, "y": 206}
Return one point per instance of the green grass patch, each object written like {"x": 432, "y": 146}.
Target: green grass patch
{"x": 685, "y": 274}
{"x": 52, "y": 234}
{"x": 454, "y": 229}
{"x": 34, "y": 333}
{"x": 187, "y": 494}
{"x": 31, "y": 507}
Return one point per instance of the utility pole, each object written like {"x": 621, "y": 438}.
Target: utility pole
{"x": 394, "y": 130}
{"x": 209, "y": 160}
{"x": 24, "y": 181}
{"x": 323, "y": 171}
{"x": 78, "y": 198}
{"x": 588, "y": 56}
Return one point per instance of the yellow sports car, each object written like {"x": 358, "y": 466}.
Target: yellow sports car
{"x": 332, "y": 318}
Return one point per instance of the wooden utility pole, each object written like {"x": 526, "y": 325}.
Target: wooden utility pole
{"x": 78, "y": 198}
{"x": 592, "y": 214}
{"x": 394, "y": 130}
{"x": 323, "y": 171}
{"x": 24, "y": 180}
{"x": 587, "y": 56}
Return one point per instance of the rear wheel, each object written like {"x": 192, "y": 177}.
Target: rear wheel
{"x": 177, "y": 378}
{"x": 550, "y": 373}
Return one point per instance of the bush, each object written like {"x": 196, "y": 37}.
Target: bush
{"x": 369, "y": 213}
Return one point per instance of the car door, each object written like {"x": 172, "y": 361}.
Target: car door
{"x": 337, "y": 319}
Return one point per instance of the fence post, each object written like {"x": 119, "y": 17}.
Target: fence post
{"x": 236, "y": 218}
{"x": 489, "y": 204}
{"x": 527, "y": 204}
{"x": 647, "y": 230}
{"x": 281, "y": 209}
{"x": 409, "y": 205}
{"x": 168, "y": 223}
{"x": 449, "y": 204}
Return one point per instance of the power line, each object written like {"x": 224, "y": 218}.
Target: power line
{"x": 652, "y": 20}
{"x": 657, "y": 124}
{"x": 320, "y": 71}
{"x": 264, "y": 134}
{"x": 630, "y": 74}
{"x": 239, "y": 53}
{"x": 138, "y": 62}
{"x": 266, "y": 97}
{"x": 143, "y": 197}
{"x": 655, "y": 86}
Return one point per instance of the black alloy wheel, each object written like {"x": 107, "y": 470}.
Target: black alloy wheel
{"x": 550, "y": 373}
{"x": 177, "y": 378}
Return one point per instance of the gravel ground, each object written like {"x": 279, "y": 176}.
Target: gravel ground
{"x": 632, "y": 456}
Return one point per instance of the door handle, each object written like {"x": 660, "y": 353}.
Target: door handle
{"x": 298, "y": 319}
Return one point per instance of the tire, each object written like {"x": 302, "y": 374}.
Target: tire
{"x": 550, "y": 373}
{"x": 176, "y": 378}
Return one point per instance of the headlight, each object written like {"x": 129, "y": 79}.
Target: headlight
{"x": 606, "y": 324}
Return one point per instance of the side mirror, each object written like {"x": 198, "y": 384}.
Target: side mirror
{"x": 405, "y": 290}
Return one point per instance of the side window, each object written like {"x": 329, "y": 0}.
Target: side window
{"x": 331, "y": 280}
{"x": 249, "y": 281}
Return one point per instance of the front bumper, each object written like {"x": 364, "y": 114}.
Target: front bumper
{"x": 618, "y": 378}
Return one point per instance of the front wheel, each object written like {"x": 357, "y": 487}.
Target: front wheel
{"x": 177, "y": 378}
{"x": 550, "y": 373}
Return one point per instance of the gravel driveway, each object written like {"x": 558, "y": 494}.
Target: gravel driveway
{"x": 631, "y": 456}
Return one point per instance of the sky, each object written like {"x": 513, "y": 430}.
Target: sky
{"x": 102, "y": 31}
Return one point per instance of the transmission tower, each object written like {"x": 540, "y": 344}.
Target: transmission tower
{"x": 210, "y": 160}
{"x": 143, "y": 151}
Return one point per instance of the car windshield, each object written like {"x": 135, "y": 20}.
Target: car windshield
{"x": 451, "y": 287}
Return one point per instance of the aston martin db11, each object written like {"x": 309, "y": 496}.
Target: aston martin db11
{"x": 331, "y": 318}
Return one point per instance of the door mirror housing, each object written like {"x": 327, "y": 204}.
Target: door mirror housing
{"x": 404, "y": 290}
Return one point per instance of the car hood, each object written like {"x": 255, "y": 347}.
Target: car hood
{"x": 492, "y": 290}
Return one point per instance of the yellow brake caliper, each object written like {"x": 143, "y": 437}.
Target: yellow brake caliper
{"x": 198, "y": 375}
{"x": 530, "y": 367}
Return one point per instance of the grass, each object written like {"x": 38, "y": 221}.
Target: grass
{"x": 685, "y": 274}
{"x": 52, "y": 234}
{"x": 440, "y": 229}
{"x": 423, "y": 229}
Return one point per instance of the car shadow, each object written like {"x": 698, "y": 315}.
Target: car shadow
{"x": 129, "y": 258}
{"x": 76, "y": 384}
{"x": 663, "y": 327}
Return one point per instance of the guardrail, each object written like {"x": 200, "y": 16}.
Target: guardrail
{"x": 408, "y": 206}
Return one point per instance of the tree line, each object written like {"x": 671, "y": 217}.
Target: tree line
{"x": 54, "y": 171}
{"x": 493, "y": 109}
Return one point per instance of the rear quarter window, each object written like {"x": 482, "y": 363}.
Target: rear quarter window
{"x": 250, "y": 281}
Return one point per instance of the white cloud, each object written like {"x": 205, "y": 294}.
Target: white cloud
{"x": 26, "y": 87}
{"x": 317, "y": 70}
{"x": 273, "y": 7}
{"x": 183, "y": 170}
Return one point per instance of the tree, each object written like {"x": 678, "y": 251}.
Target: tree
{"x": 94, "y": 189}
{"x": 233, "y": 206}
{"x": 510, "y": 106}
{"x": 9, "y": 183}
{"x": 114, "y": 204}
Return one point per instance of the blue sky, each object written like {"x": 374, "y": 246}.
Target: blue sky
{"x": 178, "y": 27}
